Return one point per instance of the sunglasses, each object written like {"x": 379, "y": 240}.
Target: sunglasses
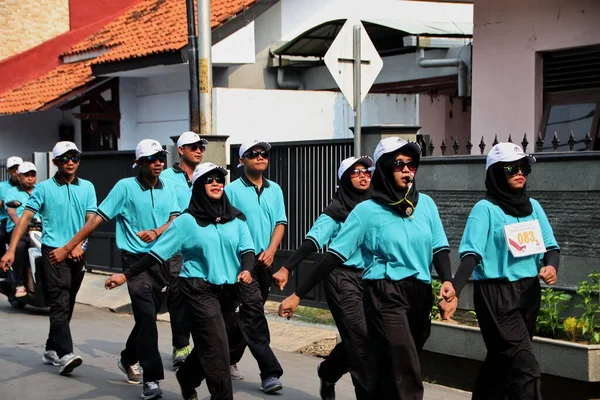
{"x": 210, "y": 179}
{"x": 66, "y": 159}
{"x": 30, "y": 174}
{"x": 195, "y": 146}
{"x": 255, "y": 153}
{"x": 357, "y": 171}
{"x": 153, "y": 158}
{"x": 399, "y": 166}
{"x": 515, "y": 168}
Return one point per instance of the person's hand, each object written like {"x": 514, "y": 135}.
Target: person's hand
{"x": 115, "y": 280}
{"x": 266, "y": 258}
{"x": 59, "y": 255}
{"x": 245, "y": 277}
{"x": 288, "y": 306}
{"x": 548, "y": 274}
{"x": 447, "y": 291}
{"x": 7, "y": 260}
{"x": 281, "y": 277}
{"x": 77, "y": 253}
{"x": 148, "y": 236}
{"x": 448, "y": 308}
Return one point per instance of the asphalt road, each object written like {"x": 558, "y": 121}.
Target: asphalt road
{"x": 99, "y": 336}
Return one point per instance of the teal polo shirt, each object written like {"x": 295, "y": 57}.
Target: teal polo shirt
{"x": 214, "y": 252}
{"x": 138, "y": 207}
{"x": 179, "y": 181}
{"x": 484, "y": 237}
{"x": 4, "y": 188}
{"x": 393, "y": 247}
{"x": 324, "y": 230}
{"x": 15, "y": 194}
{"x": 264, "y": 209}
{"x": 62, "y": 207}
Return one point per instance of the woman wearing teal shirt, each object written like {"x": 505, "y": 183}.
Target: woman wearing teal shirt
{"x": 343, "y": 287}
{"x": 400, "y": 235}
{"x": 218, "y": 256}
{"x": 508, "y": 244}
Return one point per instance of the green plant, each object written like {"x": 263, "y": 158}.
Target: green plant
{"x": 436, "y": 286}
{"x": 548, "y": 322}
{"x": 574, "y": 328}
{"x": 590, "y": 303}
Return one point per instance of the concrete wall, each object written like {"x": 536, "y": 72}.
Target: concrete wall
{"x": 446, "y": 118}
{"x": 506, "y": 62}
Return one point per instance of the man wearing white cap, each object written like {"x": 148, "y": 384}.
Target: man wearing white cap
{"x": 261, "y": 201}
{"x": 144, "y": 208}
{"x": 14, "y": 203}
{"x": 190, "y": 147}
{"x": 12, "y": 163}
{"x": 65, "y": 203}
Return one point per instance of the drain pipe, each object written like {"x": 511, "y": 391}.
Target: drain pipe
{"x": 282, "y": 84}
{"x": 446, "y": 62}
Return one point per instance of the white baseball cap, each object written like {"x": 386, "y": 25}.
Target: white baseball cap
{"x": 13, "y": 161}
{"x": 253, "y": 143}
{"x": 507, "y": 152}
{"x": 27, "y": 167}
{"x": 148, "y": 147}
{"x": 205, "y": 168}
{"x": 190, "y": 138}
{"x": 61, "y": 148}
{"x": 350, "y": 161}
{"x": 391, "y": 144}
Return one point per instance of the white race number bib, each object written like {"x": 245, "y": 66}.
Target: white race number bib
{"x": 524, "y": 238}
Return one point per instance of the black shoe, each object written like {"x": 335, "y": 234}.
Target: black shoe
{"x": 187, "y": 391}
{"x": 151, "y": 391}
{"x": 327, "y": 389}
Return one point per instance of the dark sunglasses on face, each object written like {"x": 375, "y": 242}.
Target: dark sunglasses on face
{"x": 156, "y": 157}
{"x": 30, "y": 174}
{"x": 66, "y": 159}
{"x": 210, "y": 179}
{"x": 255, "y": 153}
{"x": 399, "y": 166}
{"x": 195, "y": 146}
{"x": 515, "y": 168}
{"x": 357, "y": 171}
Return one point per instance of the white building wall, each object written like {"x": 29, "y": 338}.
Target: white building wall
{"x": 22, "y": 134}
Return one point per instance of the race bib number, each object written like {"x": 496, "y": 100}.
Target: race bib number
{"x": 524, "y": 238}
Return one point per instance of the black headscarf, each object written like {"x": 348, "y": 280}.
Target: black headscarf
{"x": 512, "y": 203}
{"x": 345, "y": 198}
{"x": 383, "y": 185}
{"x": 207, "y": 211}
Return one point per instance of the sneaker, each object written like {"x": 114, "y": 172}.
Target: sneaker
{"x": 20, "y": 291}
{"x": 271, "y": 385}
{"x": 179, "y": 355}
{"x": 327, "y": 389}
{"x": 151, "y": 390}
{"x": 235, "y": 373}
{"x": 133, "y": 372}
{"x": 50, "y": 357}
{"x": 68, "y": 363}
{"x": 187, "y": 392}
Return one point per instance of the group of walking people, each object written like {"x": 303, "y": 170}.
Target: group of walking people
{"x": 208, "y": 248}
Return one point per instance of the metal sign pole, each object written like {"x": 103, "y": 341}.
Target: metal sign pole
{"x": 357, "y": 91}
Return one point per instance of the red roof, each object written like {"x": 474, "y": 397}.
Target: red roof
{"x": 149, "y": 27}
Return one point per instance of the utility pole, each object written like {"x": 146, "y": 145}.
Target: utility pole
{"x": 205, "y": 67}
{"x": 193, "y": 67}
{"x": 357, "y": 90}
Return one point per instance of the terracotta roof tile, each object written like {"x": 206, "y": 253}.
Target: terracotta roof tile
{"x": 149, "y": 27}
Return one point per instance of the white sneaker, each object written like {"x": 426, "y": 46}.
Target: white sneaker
{"x": 50, "y": 357}
{"x": 68, "y": 363}
{"x": 235, "y": 373}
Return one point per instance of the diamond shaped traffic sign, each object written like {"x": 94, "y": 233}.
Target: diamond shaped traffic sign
{"x": 339, "y": 61}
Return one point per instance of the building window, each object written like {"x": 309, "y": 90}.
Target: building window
{"x": 571, "y": 80}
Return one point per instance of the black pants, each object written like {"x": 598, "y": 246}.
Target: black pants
{"x": 344, "y": 293}
{"x": 398, "y": 318}
{"x": 180, "y": 330}
{"x": 3, "y": 237}
{"x": 507, "y": 313}
{"x": 21, "y": 259}
{"x": 62, "y": 283}
{"x": 237, "y": 345}
{"x": 208, "y": 306}
{"x": 147, "y": 291}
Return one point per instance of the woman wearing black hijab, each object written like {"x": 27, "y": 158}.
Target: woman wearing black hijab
{"x": 508, "y": 244}
{"x": 218, "y": 256}
{"x": 343, "y": 287}
{"x": 399, "y": 234}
